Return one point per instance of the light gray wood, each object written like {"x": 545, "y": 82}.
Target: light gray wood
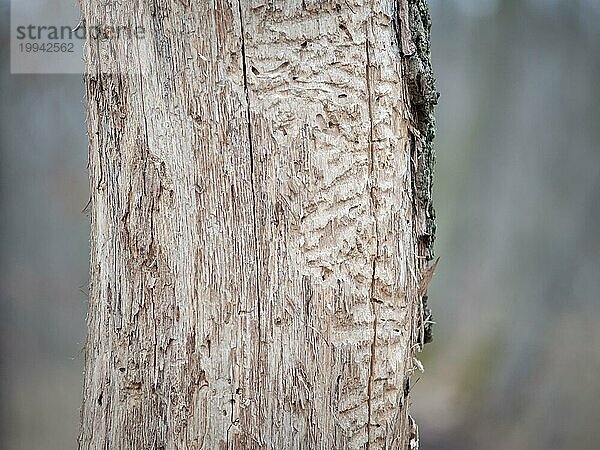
{"x": 260, "y": 178}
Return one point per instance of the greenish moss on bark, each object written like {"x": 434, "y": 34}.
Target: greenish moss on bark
{"x": 423, "y": 97}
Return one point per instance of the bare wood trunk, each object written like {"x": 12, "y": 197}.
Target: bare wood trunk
{"x": 261, "y": 220}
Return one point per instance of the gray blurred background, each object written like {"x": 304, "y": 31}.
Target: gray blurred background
{"x": 515, "y": 362}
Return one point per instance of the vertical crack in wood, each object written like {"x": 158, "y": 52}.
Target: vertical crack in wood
{"x": 373, "y": 213}
{"x": 147, "y": 137}
{"x": 252, "y": 176}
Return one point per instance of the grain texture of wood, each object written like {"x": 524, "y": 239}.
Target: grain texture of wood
{"x": 260, "y": 176}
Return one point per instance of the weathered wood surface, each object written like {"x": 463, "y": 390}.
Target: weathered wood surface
{"x": 260, "y": 204}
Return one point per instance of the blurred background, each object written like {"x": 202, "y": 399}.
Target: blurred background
{"x": 515, "y": 362}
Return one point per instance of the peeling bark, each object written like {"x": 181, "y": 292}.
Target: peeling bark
{"x": 260, "y": 178}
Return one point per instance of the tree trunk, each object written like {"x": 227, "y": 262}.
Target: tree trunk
{"x": 261, "y": 223}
